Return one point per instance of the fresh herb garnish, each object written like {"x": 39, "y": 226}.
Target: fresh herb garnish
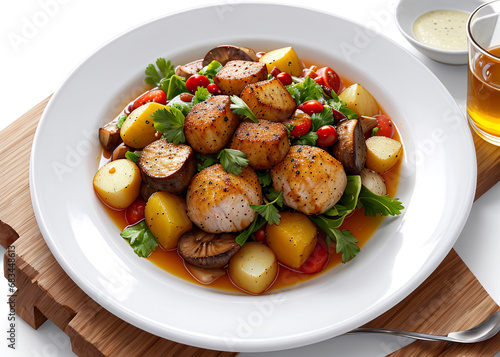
{"x": 232, "y": 160}
{"x": 268, "y": 211}
{"x": 264, "y": 177}
{"x": 211, "y": 70}
{"x": 173, "y": 86}
{"x": 257, "y": 223}
{"x": 306, "y": 139}
{"x": 154, "y": 77}
{"x": 239, "y": 107}
{"x": 323, "y": 118}
{"x": 121, "y": 120}
{"x": 374, "y": 130}
{"x": 305, "y": 90}
{"x": 376, "y": 204}
{"x": 140, "y": 239}
{"x": 170, "y": 122}
{"x": 340, "y": 105}
{"x": 206, "y": 160}
{"x": 201, "y": 95}
{"x": 133, "y": 156}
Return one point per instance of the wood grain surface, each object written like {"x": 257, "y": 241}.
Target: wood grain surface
{"x": 449, "y": 300}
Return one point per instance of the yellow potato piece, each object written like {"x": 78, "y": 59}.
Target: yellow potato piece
{"x": 117, "y": 183}
{"x": 382, "y": 153}
{"x": 285, "y": 59}
{"x": 253, "y": 268}
{"x": 293, "y": 239}
{"x": 360, "y": 100}
{"x": 166, "y": 217}
{"x": 138, "y": 129}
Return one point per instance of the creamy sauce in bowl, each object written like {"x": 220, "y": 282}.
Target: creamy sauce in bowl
{"x": 442, "y": 29}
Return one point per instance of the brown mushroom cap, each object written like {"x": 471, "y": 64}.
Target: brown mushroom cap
{"x": 207, "y": 250}
{"x": 226, "y": 53}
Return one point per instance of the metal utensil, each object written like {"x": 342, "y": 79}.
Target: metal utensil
{"x": 485, "y": 330}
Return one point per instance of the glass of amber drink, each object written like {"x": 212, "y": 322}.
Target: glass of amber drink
{"x": 483, "y": 82}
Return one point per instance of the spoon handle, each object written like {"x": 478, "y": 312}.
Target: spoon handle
{"x": 414, "y": 335}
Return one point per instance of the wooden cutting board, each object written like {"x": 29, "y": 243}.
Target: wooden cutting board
{"x": 450, "y": 299}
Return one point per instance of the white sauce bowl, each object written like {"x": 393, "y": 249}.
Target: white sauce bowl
{"x": 408, "y": 11}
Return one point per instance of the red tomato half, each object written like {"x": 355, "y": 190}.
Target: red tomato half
{"x": 302, "y": 128}
{"x": 327, "y": 136}
{"x": 331, "y": 78}
{"x": 135, "y": 212}
{"x": 317, "y": 260}
{"x": 384, "y": 125}
{"x": 195, "y": 81}
{"x": 156, "y": 95}
{"x": 311, "y": 106}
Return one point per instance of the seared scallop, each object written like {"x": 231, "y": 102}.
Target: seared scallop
{"x": 210, "y": 124}
{"x": 218, "y": 201}
{"x": 311, "y": 179}
{"x": 265, "y": 143}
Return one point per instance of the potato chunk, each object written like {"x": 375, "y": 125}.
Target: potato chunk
{"x": 285, "y": 59}
{"x": 138, "y": 129}
{"x": 382, "y": 153}
{"x": 269, "y": 100}
{"x": 117, "y": 183}
{"x": 265, "y": 143}
{"x": 236, "y": 75}
{"x": 210, "y": 124}
{"x": 165, "y": 215}
{"x": 360, "y": 100}
{"x": 253, "y": 268}
{"x": 293, "y": 239}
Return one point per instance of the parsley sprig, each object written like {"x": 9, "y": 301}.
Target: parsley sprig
{"x": 268, "y": 211}
{"x": 166, "y": 70}
{"x": 170, "y": 122}
{"x": 376, "y": 204}
{"x": 201, "y": 95}
{"x": 257, "y": 223}
{"x": 304, "y": 90}
{"x": 140, "y": 239}
{"x": 211, "y": 70}
{"x": 239, "y": 107}
{"x": 232, "y": 160}
{"x": 336, "y": 103}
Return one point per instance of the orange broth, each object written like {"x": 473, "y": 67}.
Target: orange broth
{"x": 361, "y": 226}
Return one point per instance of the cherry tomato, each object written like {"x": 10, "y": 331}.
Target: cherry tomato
{"x": 327, "y": 136}
{"x": 311, "y": 106}
{"x": 275, "y": 71}
{"x": 135, "y": 212}
{"x": 285, "y": 78}
{"x": 317, "y": 260}
{"x": 156, "y": 95}
{"x": 186, "y": 97}
{"x": 260, "y": 234}
{"x": 330, "y": 78}
{"x": 320, "y": 81}
{"x": 384, "y": 125}
{"x": 195, "y": 81}
{"x": 303, "y": 128}
{"x": 214, "y": 89}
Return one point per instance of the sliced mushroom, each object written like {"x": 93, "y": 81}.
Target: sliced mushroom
{"x": 374, "y": 182}
{"x": 189, "y": 69}
{"x": 119, "y": 152}
{"x": 205, "y": 276}
{"x": 367, "y": 123}
{"x": 207, "y": 250}
{"x": 350, "y": 148}
{"x": 109, "y": 136}
{"x": 226, "y": 53}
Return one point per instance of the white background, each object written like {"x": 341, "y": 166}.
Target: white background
{"x": 42, "y": 41}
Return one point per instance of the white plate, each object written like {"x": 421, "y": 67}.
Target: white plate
{"x": 437, "y": 184}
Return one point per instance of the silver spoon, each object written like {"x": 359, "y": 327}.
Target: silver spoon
{"x": 485, "y": 330}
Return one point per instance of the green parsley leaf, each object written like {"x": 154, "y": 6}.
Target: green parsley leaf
{"x": 305, "y": 90}
{"x": 232, "y": 160}
{"x": 170, "y": 123}
{"x": 211, "y": 70}
{"x": 153, "y": 76}
{"x": 140, "y": 239}
{"x": 206, "y": 160}
{"x": 376, "y": 204}
{"x": 264, "y": 177}
{"x": 323, "y": 118}
{"x": 173, "y": 86}
{"x": 133, "y": 156}
{"x": 201, "y": 95}
{"x": 274, "y": 196}
{"x": 121, "y": 120}
{"x": 306, "y": 139}
{"x": 340, "y": 105}
{"x": 268, "y": 211}
{"x": 239, "y": 107}
{"x": 257, "y": 223}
